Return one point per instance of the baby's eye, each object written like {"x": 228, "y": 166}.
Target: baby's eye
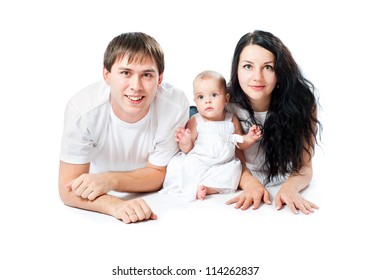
{"x": 214, "y": 94}
{"x": 200, "y": 97}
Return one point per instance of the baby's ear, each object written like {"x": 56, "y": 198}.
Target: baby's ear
{"x": 227, "y": 97}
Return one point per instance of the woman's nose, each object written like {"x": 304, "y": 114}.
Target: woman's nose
{"x": 257, "y": 74}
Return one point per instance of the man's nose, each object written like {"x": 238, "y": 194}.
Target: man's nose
{"x": 135, "y": 83}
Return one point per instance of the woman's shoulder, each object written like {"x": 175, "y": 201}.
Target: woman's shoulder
{"x": 236, "y": 110}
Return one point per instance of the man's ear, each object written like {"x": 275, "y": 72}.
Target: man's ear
{"x": 160, "y": 79}
{"x": 106, "y": 76}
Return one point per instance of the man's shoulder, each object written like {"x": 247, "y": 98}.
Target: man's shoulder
{"x": 170, "y": 105}
{"x": 168, "y": 94}
{"x": 91, "y": 97}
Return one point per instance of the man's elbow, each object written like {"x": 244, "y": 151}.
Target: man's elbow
{"x": 158, "y": 179}
{"x": 65, "y": 195}
{"x": 158, "y": 182}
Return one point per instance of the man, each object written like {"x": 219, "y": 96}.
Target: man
{"x": 118, "y": 134}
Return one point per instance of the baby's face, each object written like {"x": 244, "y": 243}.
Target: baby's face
{"x": 210, "y": 98}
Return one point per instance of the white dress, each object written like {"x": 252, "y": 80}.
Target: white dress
{"x": 211, "y": 162}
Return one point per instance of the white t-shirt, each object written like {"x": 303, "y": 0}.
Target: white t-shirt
{"x": 93, "y": 133}
{"x": 254, "y": 155}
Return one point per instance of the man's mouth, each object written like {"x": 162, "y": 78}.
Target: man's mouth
{"x": 134, "y": 98}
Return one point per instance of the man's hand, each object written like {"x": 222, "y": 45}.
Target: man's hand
{"x": 132, "y": 211}
{"x": 90, "y": 186}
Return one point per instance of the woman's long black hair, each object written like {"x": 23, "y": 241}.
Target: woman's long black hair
{"x": 291, "y": 125}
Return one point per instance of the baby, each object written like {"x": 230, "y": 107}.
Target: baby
{"x": 209, "y": 141}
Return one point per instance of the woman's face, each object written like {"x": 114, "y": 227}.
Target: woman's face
{"x": 256, "y": 75}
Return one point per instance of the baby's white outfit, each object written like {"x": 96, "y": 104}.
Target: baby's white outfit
{"x": 211, "y": 162}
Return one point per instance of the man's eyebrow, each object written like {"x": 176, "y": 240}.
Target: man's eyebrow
{"x": 124, "y": 68}
{"x": 130, "y": 69}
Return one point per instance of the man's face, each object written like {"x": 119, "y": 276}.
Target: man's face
{"x": 133, "y": 87}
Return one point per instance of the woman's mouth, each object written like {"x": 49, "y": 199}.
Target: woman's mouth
{"x": 256, "y": 87}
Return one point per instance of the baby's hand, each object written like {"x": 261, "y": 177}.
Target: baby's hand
{"x": 255, "y": 132}
{"x": 251, "y": 137}
{"x": 183, "y": 135}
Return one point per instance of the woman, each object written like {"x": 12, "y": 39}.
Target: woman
{"x": 268, "y": 89}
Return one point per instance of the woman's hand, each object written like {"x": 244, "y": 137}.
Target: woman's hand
{"x": 294, "y": 200}
{"x": 253, "y": 193}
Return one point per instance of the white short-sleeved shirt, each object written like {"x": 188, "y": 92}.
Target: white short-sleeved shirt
{"x": 93, "y": 134}
{"x": 254, "y": 155}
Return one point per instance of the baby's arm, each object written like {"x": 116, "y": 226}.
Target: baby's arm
{"x": 250, "y": 138}
{"x": 185, "y": 136}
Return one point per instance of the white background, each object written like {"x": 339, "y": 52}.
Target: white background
{"x": 49, "y": 50}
